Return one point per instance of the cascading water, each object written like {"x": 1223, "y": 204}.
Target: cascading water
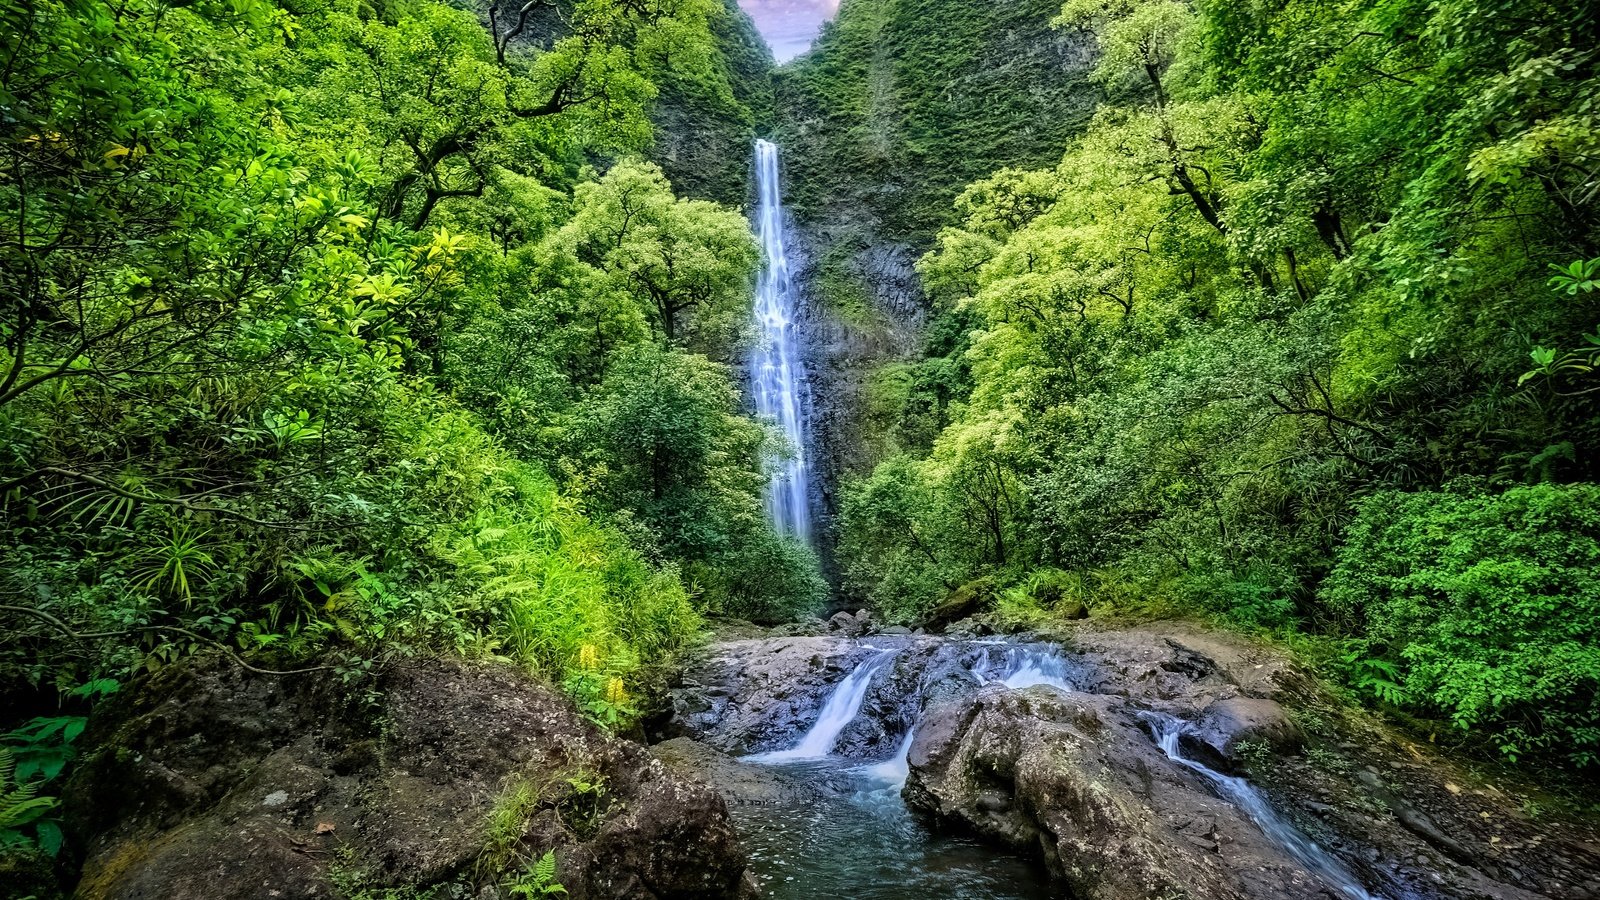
{"x": 858, "y": 839}
{"x": 891, "y": 774}
{"x": 1019, "y": 666}
{"x": 1240, "y": 793}
{"x": 777, "y": 376}
{"x": 841, "y": 707}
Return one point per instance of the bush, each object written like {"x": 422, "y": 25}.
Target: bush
{"x": 1485, "y": 608}
{"x": 767, "y": 579}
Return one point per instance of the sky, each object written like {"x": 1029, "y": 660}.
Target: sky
{"x": 789, "y": 25}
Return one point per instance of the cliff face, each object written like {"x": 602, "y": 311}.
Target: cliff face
{"x": 903, "y": 102}
{"x": 899, "y": 106}
{"x": 705, "y": 128}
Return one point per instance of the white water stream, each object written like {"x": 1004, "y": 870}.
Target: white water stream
{"x": 1243, "y": 795}
{"x": 777, "y": 377}
{"x": 839, "y": 710}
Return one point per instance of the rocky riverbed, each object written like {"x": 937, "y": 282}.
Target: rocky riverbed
{"x": 1158, "y": 761}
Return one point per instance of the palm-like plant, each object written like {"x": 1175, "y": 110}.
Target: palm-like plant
{"x": 176, "y": 564}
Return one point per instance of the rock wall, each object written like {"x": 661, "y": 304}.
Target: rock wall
{"x": 703, "y": 139}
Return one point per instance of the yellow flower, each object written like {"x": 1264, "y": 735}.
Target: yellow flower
{"x": 588, "y": 658}
{"x": 615, "y": 694}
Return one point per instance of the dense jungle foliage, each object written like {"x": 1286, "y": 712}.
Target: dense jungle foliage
{"x": 1299, "y": 332}
{"x": 344, "y": 329}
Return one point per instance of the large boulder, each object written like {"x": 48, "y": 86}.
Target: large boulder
{"x": 1077, "y": 779}
{"x": 966, "y": 601}
{"x": 439, "y": 775}
{"x": 1232, "y": 722}
{"x": 739, "y": 782}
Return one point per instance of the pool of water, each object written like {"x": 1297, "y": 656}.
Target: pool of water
{"x": 864, "y": 844}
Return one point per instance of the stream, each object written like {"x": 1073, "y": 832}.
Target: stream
{"x": 859, "y": 838}
{"x": 862, "y": 841}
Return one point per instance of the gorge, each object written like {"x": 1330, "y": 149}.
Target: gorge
{"x": 624, "y": 450}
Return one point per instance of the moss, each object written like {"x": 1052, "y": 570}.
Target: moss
{"x": 27, "y": 873}
{"x": 706, "y": 123}
{"x": 841, "y": 291}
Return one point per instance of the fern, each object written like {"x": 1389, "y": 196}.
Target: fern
{"x": 538, "y": 879}
{"x": 1378, "y": 678}
{"x": 20, "y": 807}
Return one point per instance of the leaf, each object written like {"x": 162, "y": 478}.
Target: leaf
{"x": 50, "y": 837}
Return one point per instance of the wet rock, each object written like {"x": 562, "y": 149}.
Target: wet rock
{"x": 894, "y": 629}
{"x": 976, "y": 626}
{"x": 750, "y": 696}
{"x": 847, "y": 624}
{"x": 738, "y": 782}
{"x": 1075, "y": 777}
{"x": 220, "y": 783}
{"x": 1227, "y": 723}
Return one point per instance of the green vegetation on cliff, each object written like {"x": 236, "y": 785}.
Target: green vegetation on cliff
{"x": 1282, "y": 311}
{"x": 707, "y": 116}
{"x": 902, "y": 102}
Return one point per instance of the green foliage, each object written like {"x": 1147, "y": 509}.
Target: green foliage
{"x": 671, "y": 256}
{"x": 538, "y": 879}
{"x": 664, "y": 444}
{"x": 901, "y": 103}
{"x": 506, "y": 826}
{"x": 302, "y": 310}
{"x": 1296, "y": 261}
{"x": 23, "y": 822}
{"x": 1482, "y": 607}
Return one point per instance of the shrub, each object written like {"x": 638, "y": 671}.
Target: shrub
{"x": 1485, "y": 607}
{"x": 768, "y": 579}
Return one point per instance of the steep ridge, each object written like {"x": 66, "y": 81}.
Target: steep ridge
{"x": 704, "y": 127}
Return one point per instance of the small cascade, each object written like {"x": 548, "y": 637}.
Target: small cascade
{"x": 1029, "y": 666}
{"x": 777, "y": 377}
{"x": 1024, "y": 665}
{"x": 837, "y": 712}
{"x": 891, "y": 773}
{"x": 1167, "y": 731}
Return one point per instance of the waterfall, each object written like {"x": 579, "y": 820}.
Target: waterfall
{"x": 1241, "y": 794}
{"x": 841, "y": 708}
{"x": 1029, "y": 666}
{"x": 892, "y": 772}
{"x": 776, "y": 374}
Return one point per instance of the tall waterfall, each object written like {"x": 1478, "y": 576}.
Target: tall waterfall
{"x": 776, "y": 375}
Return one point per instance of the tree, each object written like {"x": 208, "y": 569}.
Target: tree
{"x": 672, "y": 255}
